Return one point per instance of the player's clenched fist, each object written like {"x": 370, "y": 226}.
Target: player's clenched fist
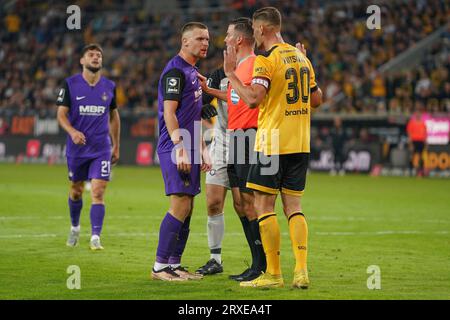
{"x": 78, "y": 137}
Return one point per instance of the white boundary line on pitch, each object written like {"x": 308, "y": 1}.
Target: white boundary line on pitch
{"x": 155, "y": 234}
{"x": 158, "y": 217}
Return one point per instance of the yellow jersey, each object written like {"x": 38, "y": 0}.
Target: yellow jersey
{"x": 284, "y": 120}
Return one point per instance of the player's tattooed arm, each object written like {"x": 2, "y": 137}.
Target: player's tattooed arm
{"x": 76, "y": 136}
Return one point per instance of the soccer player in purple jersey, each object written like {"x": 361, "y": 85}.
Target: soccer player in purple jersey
{"x": 87, "y": 111}
{"x": 181, "y": 150}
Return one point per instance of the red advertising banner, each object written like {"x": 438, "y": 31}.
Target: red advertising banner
{"x": 144, "y": 154}
{"x": 33, "y": 148}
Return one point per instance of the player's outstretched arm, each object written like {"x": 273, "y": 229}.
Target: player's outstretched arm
{"x": 114, "y": 128}
{"x": 77, "y": 136}
{"x": 219, "y": 94}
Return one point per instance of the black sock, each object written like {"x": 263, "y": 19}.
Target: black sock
{"x": 260, "y": 257}
{"x": 249, "y": 236}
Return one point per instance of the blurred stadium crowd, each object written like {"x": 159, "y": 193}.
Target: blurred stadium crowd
{"x": 38, "y": 51}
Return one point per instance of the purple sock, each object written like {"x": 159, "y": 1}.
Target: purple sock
{"x": 75, "y": 211}
{"x": 175, "y": 257}
{"x": 97, "y": 215}
{"x": 168, "y": 235}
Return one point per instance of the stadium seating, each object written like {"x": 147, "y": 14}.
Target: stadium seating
{"x": 38, "y": 51}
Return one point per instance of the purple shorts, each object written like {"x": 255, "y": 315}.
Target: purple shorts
{"x": 177, "y": 182}
{"x": 83, "y": 169}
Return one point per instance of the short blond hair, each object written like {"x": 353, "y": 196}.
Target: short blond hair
{"x": 193, "y": 25}
{"x": 268, "y": 14}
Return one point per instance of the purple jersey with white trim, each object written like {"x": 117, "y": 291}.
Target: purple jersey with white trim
{"x": 179, "y": 82}
{"x": 89, "y": 108}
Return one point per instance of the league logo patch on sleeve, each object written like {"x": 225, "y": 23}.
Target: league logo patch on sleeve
{"x": 61, "y": 95}
{"x": 260, "y": 70}
{"x": 173, "y": 85}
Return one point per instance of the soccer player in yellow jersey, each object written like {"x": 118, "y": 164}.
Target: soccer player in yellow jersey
{"x": 285, "y": 89}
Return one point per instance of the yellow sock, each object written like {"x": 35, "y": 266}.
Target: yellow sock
{"x": 270, "y": 237}
{"x": 298, "y": 230}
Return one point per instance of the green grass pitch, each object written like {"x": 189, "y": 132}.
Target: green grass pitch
{"x": 399, "y": 224}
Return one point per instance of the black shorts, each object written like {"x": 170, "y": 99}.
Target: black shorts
{"x": 285, "y": 173}
{"x": 419, "y": 146}
{"x": 241, "y": 155}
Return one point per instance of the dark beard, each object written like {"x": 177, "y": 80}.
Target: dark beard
{"x": 93, "y": 69}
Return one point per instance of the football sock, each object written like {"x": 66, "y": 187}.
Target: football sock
{"x": 168, "y": 235}
{"x": 97, "y": 216}
{"x": 298, "y": 230}
{"x": 183, "y": 235}
{"x": 259, "y": 262}
{"x": 216, "y": 231}
{"x": 159, "y": 266}
{"x": 270, "y": 236}
{"x": 94, "y": 236}
{"x": 216, "y": 256}
{"x": 249, "y": 237}
{"x": 75, "y": 211}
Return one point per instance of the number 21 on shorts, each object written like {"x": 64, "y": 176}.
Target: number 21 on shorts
{"x": 106, "y": 168}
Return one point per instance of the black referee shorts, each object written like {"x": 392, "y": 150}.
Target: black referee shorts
{"x": 419, "y": 146}
{"x": 241, "y": 155}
